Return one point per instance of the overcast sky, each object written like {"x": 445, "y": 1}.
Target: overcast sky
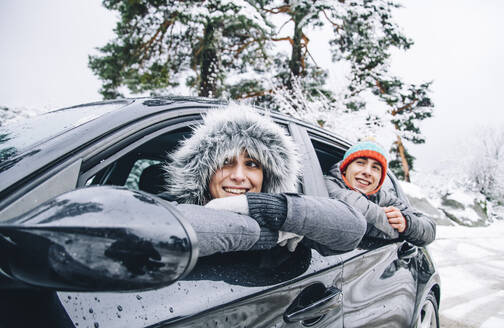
{"x": 458, "y": 44}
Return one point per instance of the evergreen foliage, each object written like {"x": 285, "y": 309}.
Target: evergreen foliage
{"x": 395, "y": 164}
{"x": 225, "y": 48}
{"x": 161, "y": 43}
{"x": 365, "y": 34}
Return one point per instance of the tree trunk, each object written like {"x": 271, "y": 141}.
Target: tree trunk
{"x": 209, "y": 65}
{"x": 404, "y": 161}
{"x": 296, "y": 61}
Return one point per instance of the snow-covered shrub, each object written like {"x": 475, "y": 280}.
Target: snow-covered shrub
{"x": 486, "y": 167}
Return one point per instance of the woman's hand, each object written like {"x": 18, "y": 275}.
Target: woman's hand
{"x": 395, "y": 218}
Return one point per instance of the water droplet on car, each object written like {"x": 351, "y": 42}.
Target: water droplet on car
{"x": 171, "y": 309}
{"x": 90, "y": 310}
{"x": 69, "y": 297}
{"x": 119, "y": 308}
{"x": 96, "y": 325}
{"x": 139, "y": 297}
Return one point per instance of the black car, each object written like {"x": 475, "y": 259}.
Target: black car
{"x": 84, "y": 241}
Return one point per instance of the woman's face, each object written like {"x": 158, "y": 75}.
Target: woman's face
{"x": 364, "y": 174}
{"x": 236, "y": 177}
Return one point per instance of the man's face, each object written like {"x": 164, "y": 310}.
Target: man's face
{"x": 364, "y": 174}
{"x": 236, "y": 177}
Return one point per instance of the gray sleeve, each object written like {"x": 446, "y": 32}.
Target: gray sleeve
{"x": 376, "y": 219}
{"x": 420, "y": 229}
{"x": 330, "y": 222}
{"x": 221, "y": 231}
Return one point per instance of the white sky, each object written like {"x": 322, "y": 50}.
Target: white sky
{"x": 458, "y": 44}
{"x": 44, "y": 51}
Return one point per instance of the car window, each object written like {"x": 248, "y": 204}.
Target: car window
{"x": 140, "y": 168}
{"x": 144, "y": 163}
{"x": 134, "y": 164}
{"x": 327, "y": 154}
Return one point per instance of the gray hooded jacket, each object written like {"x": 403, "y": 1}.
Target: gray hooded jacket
{"x": 328, "y": 225}
{"x": 420, "y": 229}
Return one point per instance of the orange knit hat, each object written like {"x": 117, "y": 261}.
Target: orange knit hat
{"x": 369, "y": 149}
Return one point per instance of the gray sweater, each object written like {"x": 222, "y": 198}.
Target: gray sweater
{"x": 420, "y": 229}
{"x": 329, "y": 225}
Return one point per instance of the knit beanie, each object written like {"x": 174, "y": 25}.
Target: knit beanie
{"x": 368, "y": 149}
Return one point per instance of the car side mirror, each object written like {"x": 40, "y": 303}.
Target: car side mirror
{"x": 98, "y": 239}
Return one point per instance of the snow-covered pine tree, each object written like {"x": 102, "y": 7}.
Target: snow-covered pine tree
{"x": 363, "y": 36}
{"x": 225, "y": 48}
{"x": 160, "y": 44}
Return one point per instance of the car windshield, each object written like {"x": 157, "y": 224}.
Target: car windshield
{"x": 19, "y": 136}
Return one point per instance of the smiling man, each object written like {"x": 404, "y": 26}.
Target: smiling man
{"x": 364, "y": 167}
{"x": 358, "y": 179}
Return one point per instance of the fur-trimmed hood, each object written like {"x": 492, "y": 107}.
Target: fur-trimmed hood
{"x": 223, "y": 134}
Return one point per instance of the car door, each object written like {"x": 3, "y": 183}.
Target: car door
{"x": 273, "y": 288}
{"x": 380, "y": 277}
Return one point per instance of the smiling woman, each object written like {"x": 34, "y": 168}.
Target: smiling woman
{"x": 229, "y": 149}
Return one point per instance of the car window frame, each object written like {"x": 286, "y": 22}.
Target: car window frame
{"x": 99, "y": 161}
{"x": 311, "y": 170}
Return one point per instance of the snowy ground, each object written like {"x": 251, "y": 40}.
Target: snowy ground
{"x": 471, "y": 265}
